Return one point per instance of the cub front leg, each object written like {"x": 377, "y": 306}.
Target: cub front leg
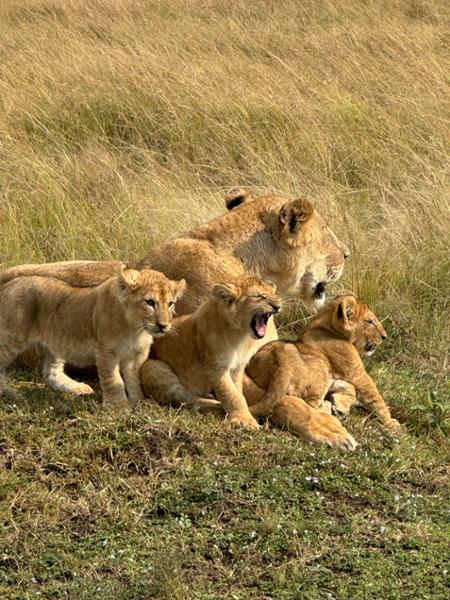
{"x": 131, "y": 372}
{"x": 234, "y": 402}
{"x": 369, "y": 396}
{"x": 113, "y": 387}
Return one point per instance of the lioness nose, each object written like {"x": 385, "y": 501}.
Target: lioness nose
{"x": 383, "y": 336}
{"x": 346, "y": 252}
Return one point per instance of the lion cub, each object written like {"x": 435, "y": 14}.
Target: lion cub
{"x": 329, "y": 349}
{"x": 209, "y": 349}
{"x": 111, "y": 325}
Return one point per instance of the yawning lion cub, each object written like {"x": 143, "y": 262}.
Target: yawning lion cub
{"x": 209, "y": 349}
{"x": 111, "y": 325}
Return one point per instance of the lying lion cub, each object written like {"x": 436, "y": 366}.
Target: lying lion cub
{"x": 111, "y": 325}
{"x": 329, "y": 349}
{"x": 209, "y": 349}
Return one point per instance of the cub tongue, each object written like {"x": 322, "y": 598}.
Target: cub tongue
{"x": 261, "y": 326}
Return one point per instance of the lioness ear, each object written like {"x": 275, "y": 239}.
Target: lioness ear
{"x": 178, "y": 288}
{"x": 294, "y": 215}
{"x": 236, "y": 196}
{"x": 225, "y": 292}
{"x": 271, "y": 284}
{"x": 128, "y": 278}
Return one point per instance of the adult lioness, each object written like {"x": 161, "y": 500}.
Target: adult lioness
{"x": 329, "y": 347}
{"x": 285, "y": 241}
{"x": 209, "y": 348}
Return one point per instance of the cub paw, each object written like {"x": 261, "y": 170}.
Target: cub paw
{"x": 393, "y": 425}
{"x": 116, "y": 403}
{"x": 243, "y": 420}
{"x": 81, "y": 388}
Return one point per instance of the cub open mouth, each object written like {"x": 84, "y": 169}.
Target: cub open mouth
{"x": 369, "y": 347}
{"x": 259, "y": 324}
{"x": 319, "y": 290}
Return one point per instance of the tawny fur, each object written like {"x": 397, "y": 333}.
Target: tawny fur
{"x": 209, "y": 349}
{"x": 271, "y": 237}
{"x": 329, "y": 348}
{"x": 111, "y": 325}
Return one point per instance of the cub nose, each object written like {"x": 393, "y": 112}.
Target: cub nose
{"x": 163, "y": 326}
{"x": 383, "y": 336}
{"x": 346, "y": 252}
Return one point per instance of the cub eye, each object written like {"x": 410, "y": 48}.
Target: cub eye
{"x": 171, "y": 305}
{"x": 150, "y": 302}
{"x": 370, "y": 322}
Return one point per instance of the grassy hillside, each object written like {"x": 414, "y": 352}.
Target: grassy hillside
{"x": 122, "y": 123}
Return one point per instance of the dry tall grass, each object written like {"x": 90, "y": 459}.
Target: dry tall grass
{"x": 122, "y": 122}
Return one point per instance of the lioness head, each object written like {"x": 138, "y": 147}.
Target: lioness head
{"x": 298, "y": 251}
{"x": 350, "y": 317}
{"x": 149, "y": 298}
{"x": 247, "y": 304}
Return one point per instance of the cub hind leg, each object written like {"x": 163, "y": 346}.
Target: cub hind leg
{"x": 55, "y": 377}
{"x": 8, "y": 353}
{"x": 161, "y": 383}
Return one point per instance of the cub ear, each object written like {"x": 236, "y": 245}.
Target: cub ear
{"x": 294, "y": 215}
{"x": 226, "y": 292}
{"x": 178, "y": 288}
{"x": 346, "y": 310}
{"x": 236, "y": 196}
{"x": 128, "y": 278}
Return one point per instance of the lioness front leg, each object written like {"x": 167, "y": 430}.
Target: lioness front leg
{"x": 342, "y": 396}
{"x": 113, "y": 387}
{"x": 369, "y": 396}
{"x": 234, "y": 402}
{"x": 311, "y": 424}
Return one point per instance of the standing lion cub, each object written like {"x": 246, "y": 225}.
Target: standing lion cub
{"x": 111, "y": 325}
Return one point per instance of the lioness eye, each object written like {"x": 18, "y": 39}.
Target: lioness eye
{"x": 150, "y": 302}
{"x": 171, "y": 304}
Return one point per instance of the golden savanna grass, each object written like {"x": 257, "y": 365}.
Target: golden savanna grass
{"x": 123, "y": 122}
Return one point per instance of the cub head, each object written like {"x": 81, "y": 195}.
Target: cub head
{"x": 149, "y": 298}
{"x": 350, "y": 317}
{"x": 247, "y": 304}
